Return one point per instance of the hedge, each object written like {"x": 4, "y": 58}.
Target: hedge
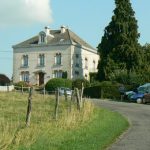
{"x": 100, "y": 91}
{"x": 78, "y": 83}
{"x": 52, "y": 84}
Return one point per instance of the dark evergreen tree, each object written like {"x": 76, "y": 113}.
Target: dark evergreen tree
{"x": 119, "y": 48}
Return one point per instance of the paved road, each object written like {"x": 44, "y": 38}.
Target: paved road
{"x": 138, "y": 135}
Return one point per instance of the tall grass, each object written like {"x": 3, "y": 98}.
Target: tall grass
{"x": 88, "y": 129}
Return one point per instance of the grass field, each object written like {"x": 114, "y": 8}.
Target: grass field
{"x": 92, "y": 128}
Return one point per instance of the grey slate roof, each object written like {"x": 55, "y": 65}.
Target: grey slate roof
{"x": 59, "y": 38}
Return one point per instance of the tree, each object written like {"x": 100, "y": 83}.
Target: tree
{"x": 146, "y": 50}
{"x": 119, "y": 47}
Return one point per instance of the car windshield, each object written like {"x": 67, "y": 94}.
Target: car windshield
{"x": 142, "y": 90}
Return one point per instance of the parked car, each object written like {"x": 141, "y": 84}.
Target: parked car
{"x": 62, "y": 91}
{"x": 138, "y": 94}
{"x": 146, "y": 98}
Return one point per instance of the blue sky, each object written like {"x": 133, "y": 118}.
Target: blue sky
{"x": 22, "y": 19}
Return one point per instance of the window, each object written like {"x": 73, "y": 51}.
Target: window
{"x": 77, "y": 55}
{"x": 25, "y": 76}
{"x": 58, "y": 74}
{"x": 94, "y": 67}
{"x": 76, "y": 73}
{"x": 42, "y": 38}
{"x": 58, "y": 59}
{"x": 25, "y": 61}
{"x": 41, "y": 60}
{"x": 86, "y": 76}
{"x": 77, "y": 61}
{"x": 86, "y": 63}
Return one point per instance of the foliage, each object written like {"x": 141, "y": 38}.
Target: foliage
{"x": 52, "y": 84}
{"x": 79, "y": 131}
{"x": 119, "y": 48}
{"x": 21, "y": 83}
{"x": 4, "y": 80}
{"x": 105, "y": 89}
{"x": 78, "y": 83}
{"x": 135, "y": 79}
{"x": 93, "y": 76}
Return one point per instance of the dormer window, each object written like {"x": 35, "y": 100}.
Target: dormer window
{"x": 42, "y": 37}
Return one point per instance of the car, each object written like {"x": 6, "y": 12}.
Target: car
{"x": 146, "y": 98}
{"x": 138, "y": 94}
{"x": 62, "y": 91}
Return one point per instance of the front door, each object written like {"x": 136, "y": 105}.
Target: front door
{"x": 41, "y": 78}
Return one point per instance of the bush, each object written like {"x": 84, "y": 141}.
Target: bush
{"x": 78, "y": 83}
{"x": 20, "y": 84}
{"x": 105, "y": 89}
{"x": 52, "y": 84}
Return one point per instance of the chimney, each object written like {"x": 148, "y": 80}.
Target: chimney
{"x": 47, "y": 30}
{"x": 63, "y": 29}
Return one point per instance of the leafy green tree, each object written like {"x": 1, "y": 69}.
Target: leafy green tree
{"x": 119, "y": 48}
{"x": 146, "y": 50}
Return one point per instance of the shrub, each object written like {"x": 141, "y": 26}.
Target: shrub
{"x": 78, "y": 83}
{"x": 52, "y": 84}
{"x": 20, "y": 84}
{"x": 105, "y": 89}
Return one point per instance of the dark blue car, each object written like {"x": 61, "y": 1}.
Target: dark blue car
{"x": 139, "y": 94}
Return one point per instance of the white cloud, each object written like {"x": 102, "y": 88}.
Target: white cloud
{"x": 22, "y": 12}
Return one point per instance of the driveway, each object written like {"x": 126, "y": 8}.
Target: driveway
{"x": 138, "y": 135}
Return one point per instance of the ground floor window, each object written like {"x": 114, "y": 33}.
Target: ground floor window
{"x": 76, "y": 74}
{"x": 25, "y": 76}
{"x": 58, "y": 74}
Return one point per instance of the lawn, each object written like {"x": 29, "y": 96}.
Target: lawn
{"x": 91, "y": 128}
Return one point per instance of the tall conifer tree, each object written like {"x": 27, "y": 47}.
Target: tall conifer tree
{"x": 119, "y": 48}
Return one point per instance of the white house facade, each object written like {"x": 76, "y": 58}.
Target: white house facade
{"x": 53, "y": 54}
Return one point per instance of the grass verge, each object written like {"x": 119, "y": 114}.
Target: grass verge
{"x": 92, "y": 128}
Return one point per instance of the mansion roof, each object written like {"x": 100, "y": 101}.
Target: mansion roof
{"x": 57, "y": 38}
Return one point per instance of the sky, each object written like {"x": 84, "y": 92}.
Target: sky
{"x": 22, "y": 19}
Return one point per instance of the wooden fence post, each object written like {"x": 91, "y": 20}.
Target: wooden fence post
{"x": 22, "y": 89}
{"x": 57, "y": 103}
{"x": 65, "y": 93}
{"x": 29, "y": 107}
{"x": 81, "y": 95}
{"x": 78, "y": 98}
{"x": 44, "y": 92}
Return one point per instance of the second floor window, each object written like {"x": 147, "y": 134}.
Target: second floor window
{"x": 24, "y": 60}
{"x": 41, "y": 60}
{"x": 86, "y": 63}
{"x": 58, "y": 59}
{"x": 77, "y": 60}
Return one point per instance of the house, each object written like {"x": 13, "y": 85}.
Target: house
{"x": 53, "y": 54}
